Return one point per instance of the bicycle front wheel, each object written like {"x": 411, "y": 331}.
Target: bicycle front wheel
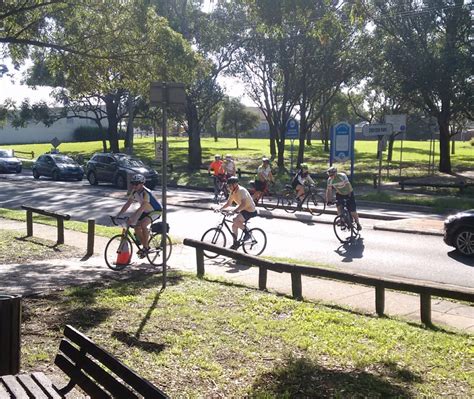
{"x": 155, "y": 254}
{"x": 316, "y": 204}
{"x": 257, "y": 242}
{"x": 344, "y": 228}
{"x": 288, "y": 201}
{"x": 269, "y": 202}
{"x": 118, "y": 252}
{"x": 214, "y": 236}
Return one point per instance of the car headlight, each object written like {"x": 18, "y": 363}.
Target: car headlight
{"x": 451, "y": 219}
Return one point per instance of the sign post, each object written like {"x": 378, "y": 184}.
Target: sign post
{"x": 342, "y": 144}
{"x": 173, "y": 96}
{"x": 380, "y": 131}
{"x": 399, "y": 124}
{"x": 292, "y": 133}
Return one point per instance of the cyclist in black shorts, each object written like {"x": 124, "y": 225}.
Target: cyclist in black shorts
{"x": 245, "y": 207}
{"x": 143, "y": 216}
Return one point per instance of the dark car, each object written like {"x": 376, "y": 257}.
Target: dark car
{"x": 57, "y": 166}
{"x": 117, "y": 169}
{"x": 459, "y": 232}
{"x": 9, "y": 163}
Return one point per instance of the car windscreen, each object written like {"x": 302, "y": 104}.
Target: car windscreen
{"x": 64, "y": 160}
{"x": 6, "y": 154}
{"x": 131, "y": 163}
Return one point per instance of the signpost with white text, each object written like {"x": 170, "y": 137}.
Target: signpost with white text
{"x": 342, "y": 144}
{"x": 292, "y": 133}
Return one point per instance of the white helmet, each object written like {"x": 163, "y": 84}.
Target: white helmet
{"x": 136, "y": 179}
{"x": 331, "y": 170}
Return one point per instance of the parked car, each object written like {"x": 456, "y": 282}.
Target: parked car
{"x": 57, "y": 166}
{"x": 114, "y": 168}
{"x": 9, "y": 163}
{"x": 459, "y": 232}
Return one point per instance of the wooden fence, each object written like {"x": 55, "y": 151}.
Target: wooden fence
{"x": 425, "y": 290}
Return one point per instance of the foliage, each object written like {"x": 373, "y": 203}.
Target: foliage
{"x": 87, "y": 133}
{"x": 236, "y": 119}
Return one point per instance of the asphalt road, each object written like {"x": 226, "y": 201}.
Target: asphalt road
{"x": 390, "y": 254}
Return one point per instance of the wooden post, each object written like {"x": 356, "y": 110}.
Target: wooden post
{"x": 296, "y": 285}
{"x": 379, "y": 300}
{"x": 200, "y": 262}
{"x": 90, "y": 236}
{"x": 60, "y": 230}
{"x": 425, "y": 309}
{"x": 262, "y": 278}
{"x": 29, "y": 223}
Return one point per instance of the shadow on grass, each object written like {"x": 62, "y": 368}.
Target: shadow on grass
{"x": 302, "y": 378}
{"x": 132, "y": 341}
{"x": 41, "y": 242}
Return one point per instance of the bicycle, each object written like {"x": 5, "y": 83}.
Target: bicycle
{"x": 268, "y": 200}
{"x": 253, "y": 241}
{"x": 315, "y": 203}
{"x": 222, "y": 192}
{"x": 345, "y": 227}
{"x": 119, "y": 250}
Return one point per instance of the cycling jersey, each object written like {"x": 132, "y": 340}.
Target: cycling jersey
{"x": 144, "y": 196}
{"x": 216, "y": 167}
{"x": 240, "y": 195}
{"x": 341, "y": 183}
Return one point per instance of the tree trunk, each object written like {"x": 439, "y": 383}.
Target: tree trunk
{"x": 391, "y": 140}
{"x": 309, "y": 138}
{"x": 302, "y": 139}
{"x": 453, "y": 147}
{"x": 281, "y": 153}
{"x": 111, "y": 107}
{"x": 194, "y": 133}
{"x": 129, "y": 134}
{"x": 273, "y": 151}
{"x": 444, "y": 155}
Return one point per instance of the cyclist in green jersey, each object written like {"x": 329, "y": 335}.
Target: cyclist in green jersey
{"x": 343, "y": 187}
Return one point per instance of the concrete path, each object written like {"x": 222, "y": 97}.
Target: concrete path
{"x": 35, "y": 277}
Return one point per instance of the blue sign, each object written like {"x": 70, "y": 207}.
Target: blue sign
{"x": 292, "y": 129}
{"x": 342, "y": 137}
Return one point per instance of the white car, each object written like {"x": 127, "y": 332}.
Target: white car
{"x": 9, "y": 163}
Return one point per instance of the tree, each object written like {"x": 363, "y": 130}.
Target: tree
{"x": 236, "y": 119}
{"x": 427, "y": 47}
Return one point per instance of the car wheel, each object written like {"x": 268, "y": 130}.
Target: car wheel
{"x": 92, "y": 178}
{"x": 79, "y": 178}
{"x": 121, "y": 182}
{"x": 36, "y": 175}
{"x": 464, "y": 241}
{"x": 55, "y": 175}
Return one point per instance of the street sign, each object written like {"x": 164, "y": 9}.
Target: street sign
{"x": 171, "y": 94}
{"x": 55, "y": 142}
{"x": 159, "y": 151}
{"x": 342, "y": 139}
{"x": 292, "y": 129}
{"x": 377, "y": 130}
{"x": 398, "y": 122}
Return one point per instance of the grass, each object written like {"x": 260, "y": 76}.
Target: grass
{"x": 201, "y": 338}
{"x": 20, "y": 249}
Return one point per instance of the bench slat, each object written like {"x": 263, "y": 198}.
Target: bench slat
{"x": 80, "y": 378}
{"x": 31, "y": 387}
{"x": 94, "y": 371}
{"x": 3, "y": 391}
{"x": 141, "y": 385}
{"x": 14, "y": 387}
{"x": 46, "y": 384}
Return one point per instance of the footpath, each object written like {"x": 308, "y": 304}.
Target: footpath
{"x": 42, "y": 276}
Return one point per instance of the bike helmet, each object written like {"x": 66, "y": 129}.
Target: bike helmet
{"x": 136, "y": 179}
{"x": 228, "y": 156}
{"x": 304, "y": 166}
{"x": 265, "y": 159}
{"x": 332, "y": 170}
{"x": 232, "y": 180}
{"x": 217, "y": 156}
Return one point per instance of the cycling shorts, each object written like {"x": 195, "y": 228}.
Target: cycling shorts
{"x": 260, "y": 185}
{"x": 150, "y": 215}
{"x": 248, "y": 215}
{"x": 351, "y": 203}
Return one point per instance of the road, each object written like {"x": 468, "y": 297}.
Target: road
{"x": 382, "y": 253}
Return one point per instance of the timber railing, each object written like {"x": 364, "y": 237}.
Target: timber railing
{"x": 60, "y": 218}
{"x": 425, "y": 290}
{"x": 30, "y": 153}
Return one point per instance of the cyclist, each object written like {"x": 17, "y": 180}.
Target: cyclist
{"x": 300, "y": 180}
{"x": 343, "y": 187}
{"x": 229, "y": 166}
{"x": 264, "y": 176}
{"x": 219, "y": 174}
{"x": 143, "y": 216}
{"x": 245, "y": 208}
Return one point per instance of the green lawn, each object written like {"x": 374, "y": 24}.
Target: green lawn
{"x": 203, "y": 338}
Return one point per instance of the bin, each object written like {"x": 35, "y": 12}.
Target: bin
{"x": 10, "y": 326}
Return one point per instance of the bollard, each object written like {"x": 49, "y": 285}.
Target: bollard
{"x": 10, "y": 326}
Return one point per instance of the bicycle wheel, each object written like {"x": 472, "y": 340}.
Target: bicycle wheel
{"x": 257, "y": 242}
{"x": 269, "y": 202}
{"x": 288, "y": 201}
{"x": 214, "y": 236}
{"x": 118, "y": 252}
{"x": 316, "y": 204}
{"x": 155, "y": 254}
{"x": 343, "y": 228}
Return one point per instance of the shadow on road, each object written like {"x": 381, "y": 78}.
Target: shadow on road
{"x": 461, "y": 258}
{"x": 351, "y": 250}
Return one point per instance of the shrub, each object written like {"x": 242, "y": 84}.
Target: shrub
{"x": 472, "y": 141}
{"x": 88, "y": 133}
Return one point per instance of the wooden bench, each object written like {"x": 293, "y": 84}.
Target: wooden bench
{"x": 88, "y": 366}
{"x": 461, "y": 185}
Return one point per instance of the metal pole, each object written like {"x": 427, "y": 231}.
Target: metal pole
{"x": 291, "y": 164}
{"x": 163, "y": 182}
{"x": 380, "y": 153}
{"x": 401, "y": 152}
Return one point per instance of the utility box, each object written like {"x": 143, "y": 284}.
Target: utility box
{"x": 10, "y": 331}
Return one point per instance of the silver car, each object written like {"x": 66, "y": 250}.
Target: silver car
{"x": 9, "y": 163}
